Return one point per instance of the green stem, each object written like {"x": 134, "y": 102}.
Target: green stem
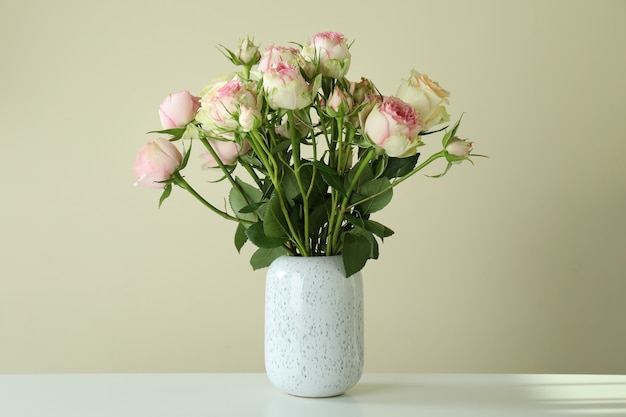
{"x": 340, "y": 146}
{"x": 254, "y": 175}
{"x": 330, "y": 249}
{"x": 181, "y": 182}
{"x": 295, "y": 145}
{"x": 219, "y": 162}
{"x": 336, "y": 231}
{"x": 225, "y": 170}
{"x": 347, "y": 148}
{"x": 256, "y": 142}
{"x": 268, "y": 160}
{"x": 415, "y": 170}
{"x": 246, "y": 72}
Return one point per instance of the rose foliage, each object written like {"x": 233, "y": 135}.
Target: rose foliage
{"x": 310, "y": 155}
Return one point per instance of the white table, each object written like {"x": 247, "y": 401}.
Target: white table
{"x": 242, "y": 395}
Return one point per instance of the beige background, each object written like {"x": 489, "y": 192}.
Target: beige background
{"x": 515, "y": 264}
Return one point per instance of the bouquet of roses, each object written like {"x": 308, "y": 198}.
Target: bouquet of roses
{"x": 320, "y": 153}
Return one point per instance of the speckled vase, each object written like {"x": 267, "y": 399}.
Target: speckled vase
{"x": 313, "y": 326}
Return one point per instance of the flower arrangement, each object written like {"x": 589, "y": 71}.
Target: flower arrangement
{"x": 320, "y": 154}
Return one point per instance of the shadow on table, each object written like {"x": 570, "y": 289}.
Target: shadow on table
{"x": 561, "y": 396}
{"x": 284, "y": 405}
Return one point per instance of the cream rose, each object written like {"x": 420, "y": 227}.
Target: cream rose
{"x": 426, "y": 97}
{"x": 285, "y": 87}
{"x": 331, "y": 50}
{"x": 234, "y": 105}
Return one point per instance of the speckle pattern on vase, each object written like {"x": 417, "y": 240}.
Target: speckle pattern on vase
{"x": 313, "y": 326}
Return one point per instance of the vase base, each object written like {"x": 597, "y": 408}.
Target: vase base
{"x": 313, "y": 397}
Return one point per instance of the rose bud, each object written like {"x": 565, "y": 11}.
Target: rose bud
{"x": 178, "y": 109}
{"x": 157, "y": 160}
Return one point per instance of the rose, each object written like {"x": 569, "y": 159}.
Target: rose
{"x": 363, "y": 94}
{"x": 393, "y": 126}
{"x": 458, "y": 149}
{"x": 362, "y": 90}
{"x": 249, "y": 118}
{"x": 248, "y": 53}
{"x": 216, "y": 83}
{"x": 275, "y": 54}
{"x": 283, "y": 129}
{"x": 330, "y": 49}
{"x": 157, "y": 160}
{"x": 227, "y": 151}
{"x": 285, "y": 87}
{"x": 178, "y": 109}
{"x": 339, "y": 104}
{"x": 426, "y": 97}
{"x": 230, "y": 106}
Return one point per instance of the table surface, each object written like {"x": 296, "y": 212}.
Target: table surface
{"x": 242, "y": 395}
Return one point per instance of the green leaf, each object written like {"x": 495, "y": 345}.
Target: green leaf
{"x": 183, "y": 164}
{"x": 354, "y": 220}
{"x": 253, "y": 194}
{"x": 240, "y": 237}
{"x": 274, "y": 222}
{"x": 280, "y": 147}
{"x": 319, "y": 217}
{"x": 456, "y": 126}
{"x": 399, "y": 167}
{"x": 176, "y": 132}
{"x": 229, "y": 54}
{"x": 251, "y": 208}
{"x": 356, "y": 251}
{"x": 238, "y": 202}
{"x": 378, "y": 229}
{"x": 263, "y": 257}
{"x": 316, "y": 192}
{"x": 166, "y": 193}
{"x": 451, "y": 133}
{"x": 366, "y": 175}
{"x": 290, "y": 185}
{"x": 330, "y": 176}
{"x": 253, "y": 161}
{"x": 242, "y": 197}
{"x": 191, "y": 132}
{"x": 445, "y": 171}
{"x": 373, "y": 245}
{"x": 257, "y": 236}
{"x": 372, "y": 188}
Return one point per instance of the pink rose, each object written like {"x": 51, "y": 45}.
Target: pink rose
{"x": 393, "y": 126}
{"x": 157, "y": 160}
{"x": 339, "y": 103}
{"x": 226, "y": 150}
{"x": 275, "y": 54}
{"x": 178, "y": 109}
{"x": 231, "y": 106}
{"x": 286, "y": 88}
{"x": 331, "y": 49}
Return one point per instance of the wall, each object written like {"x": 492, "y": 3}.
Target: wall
{"x": 512, "y": 265}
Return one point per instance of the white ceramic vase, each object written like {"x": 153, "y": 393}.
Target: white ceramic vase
{"x": 313, "y": 326}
